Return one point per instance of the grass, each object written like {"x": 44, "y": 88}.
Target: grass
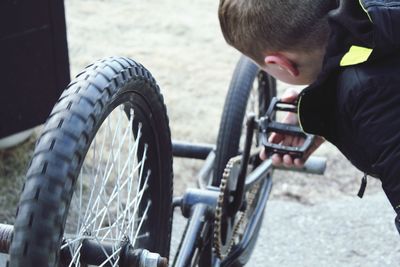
{"x": 13, "y": 165}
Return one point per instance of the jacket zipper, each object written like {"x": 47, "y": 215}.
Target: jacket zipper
{"x": 362, "y": 186}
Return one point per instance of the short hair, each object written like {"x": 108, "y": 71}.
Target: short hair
{"x": 257, "y": 26}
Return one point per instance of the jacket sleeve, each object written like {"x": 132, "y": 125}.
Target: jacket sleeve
{"x": 376, "y": 127}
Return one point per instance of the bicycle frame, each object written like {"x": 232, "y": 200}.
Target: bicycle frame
{"x": 198, "y": 206}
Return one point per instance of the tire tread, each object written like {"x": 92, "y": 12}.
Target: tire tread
{"x": 65, "y": 160}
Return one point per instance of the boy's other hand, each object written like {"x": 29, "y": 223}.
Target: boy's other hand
{"x": 286, "y": 160}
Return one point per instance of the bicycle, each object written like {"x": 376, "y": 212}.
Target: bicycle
{"x": 101, "y": 194}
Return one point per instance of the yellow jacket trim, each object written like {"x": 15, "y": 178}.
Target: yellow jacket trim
{"x": 365, "y": 10}
{"x": 298, "y": 113}
{"x": 355, "y": 55}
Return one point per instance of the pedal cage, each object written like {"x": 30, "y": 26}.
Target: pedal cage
{"x": 268, "y": 125}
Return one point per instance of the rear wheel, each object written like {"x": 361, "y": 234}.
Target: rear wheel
{"x": 250, "y": 92}
{"x": 100, "y": 183}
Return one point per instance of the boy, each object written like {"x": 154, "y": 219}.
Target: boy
{"x": 348, "y": 51}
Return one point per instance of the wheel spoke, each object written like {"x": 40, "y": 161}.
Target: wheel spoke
{"x": 116, "y": 201}
{"x": 133, "y": 203}
{"x": 110, "y": 213}
{"x": 140, "y": 224}
{"x": 106, "y": 179}
{"x": 110, "y": 257}
{"x": 75, "y": 255}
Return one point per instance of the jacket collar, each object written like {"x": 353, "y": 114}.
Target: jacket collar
{"x": 350, "y": 42}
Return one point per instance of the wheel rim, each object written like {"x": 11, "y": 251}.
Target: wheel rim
{"x": 110, "y": 203}
{"x": 252, "y": 107}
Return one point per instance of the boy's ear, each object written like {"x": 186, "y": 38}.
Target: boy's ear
{"x": 283, "y": 63}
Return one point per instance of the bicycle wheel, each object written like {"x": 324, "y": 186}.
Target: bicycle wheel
{"x": 250, "y": 90}
{"x": 99, "y": 186}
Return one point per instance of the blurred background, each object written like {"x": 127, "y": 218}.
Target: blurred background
{"x": 181, "y": 44}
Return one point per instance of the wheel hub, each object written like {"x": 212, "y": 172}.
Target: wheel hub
{"x": 93, "y": 253}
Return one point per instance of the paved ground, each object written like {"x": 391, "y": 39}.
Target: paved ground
{"x": 182, "y": 46}
{"x": 341, "y": 232}
{"x": 3, "y": 258}
{"x": 345, "y": 232}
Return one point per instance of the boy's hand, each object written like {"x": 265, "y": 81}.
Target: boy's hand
{"x": 288, "y": 140}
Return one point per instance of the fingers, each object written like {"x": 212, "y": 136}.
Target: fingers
{"x": 288, "y": 140}
{"x": 299, "y": 163}
{"x": 275, "y": 138}
{"x": 318, "y": 141}
{"x": 276, "y": 160}
{"x": 287, "y": 160}
{"x": 285, "y": 140}
{"x": 290, "y": 95}
{"x": 263, "y": 154}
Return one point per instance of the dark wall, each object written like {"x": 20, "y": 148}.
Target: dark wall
{"x": 34, "y": 66}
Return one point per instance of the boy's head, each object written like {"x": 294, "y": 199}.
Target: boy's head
{"x": 278, "y": 32}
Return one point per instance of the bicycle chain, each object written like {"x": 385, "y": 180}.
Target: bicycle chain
{"x": 217, "y": 244}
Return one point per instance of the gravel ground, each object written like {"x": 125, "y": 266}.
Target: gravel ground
{"x": 332, "y": 232}
{"x": 337, "y": 232}
{"x": 342, "y": 232}
{"x": 310, "y": 221}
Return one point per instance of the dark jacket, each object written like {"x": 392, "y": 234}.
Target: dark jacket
{"x": 355, "y": 102}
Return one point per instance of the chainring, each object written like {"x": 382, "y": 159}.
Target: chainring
{"x": 226, "y": 229}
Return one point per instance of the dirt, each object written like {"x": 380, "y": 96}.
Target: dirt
{"x": 181, "y": 44}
